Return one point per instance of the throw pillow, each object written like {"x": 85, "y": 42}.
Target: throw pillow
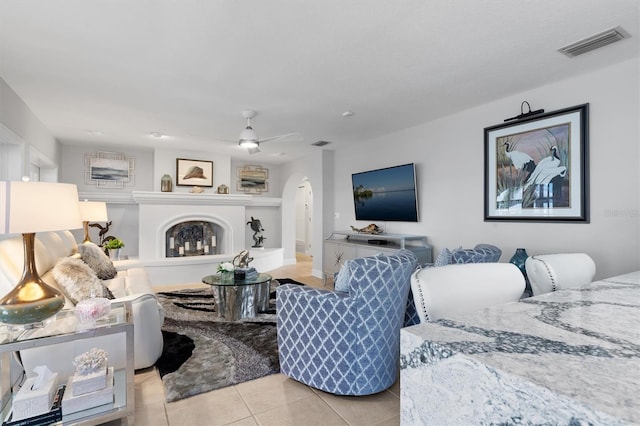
{"x": 445, "y": 257}
{"x": 93, "y": 256}
{"x": 78, "y": 281}
{"x": 341, "y": 283}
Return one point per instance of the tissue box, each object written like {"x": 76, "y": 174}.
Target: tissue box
{"x": 72, "y": 403}
{"x": 85, "y": 383}
{"x": 29, "y": 402}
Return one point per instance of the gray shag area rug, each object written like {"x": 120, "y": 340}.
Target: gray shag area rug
{"x": 203, "y": 352}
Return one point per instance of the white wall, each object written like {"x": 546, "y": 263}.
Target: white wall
{"x": 450, "y": 168}
{"x": 16, "y": 116}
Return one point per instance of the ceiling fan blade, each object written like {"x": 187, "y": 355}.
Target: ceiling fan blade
{"x": 253, "y": 150}
{"x": 277, "y": 137}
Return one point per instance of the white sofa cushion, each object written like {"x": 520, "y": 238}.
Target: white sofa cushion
{"x": 117, "y": 284}
{"x": 458, "y": 288}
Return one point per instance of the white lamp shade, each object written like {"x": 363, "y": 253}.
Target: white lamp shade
{"x": 27, "y": 207}
{"x": 94, "y": 211}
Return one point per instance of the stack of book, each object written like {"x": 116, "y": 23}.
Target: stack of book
{"x": 88, "y": 391}
{"x": 52, "y": 416}
{"x": 245, "y": 274}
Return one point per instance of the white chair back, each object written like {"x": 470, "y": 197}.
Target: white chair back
{"x": 551, "y": 272}
{"x": 452, "y": 289}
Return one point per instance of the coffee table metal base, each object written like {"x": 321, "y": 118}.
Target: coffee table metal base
{"x": 235, "y": 302}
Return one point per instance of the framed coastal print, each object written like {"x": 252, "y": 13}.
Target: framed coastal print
{"x": 536, "y": 169}
{"x": 253, "y": 179}
{"x": 109, "y": 169}
{"x": 194, "y": 172}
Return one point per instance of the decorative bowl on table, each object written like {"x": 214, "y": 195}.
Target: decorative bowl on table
{"x": 89, "y": 310}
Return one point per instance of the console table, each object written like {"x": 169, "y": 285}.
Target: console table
{"x": 344, "y": 245}
{"x": 567, "y": 357}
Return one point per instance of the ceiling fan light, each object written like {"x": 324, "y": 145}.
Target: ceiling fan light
{"x": 248, "y": 135}
{"x": 248, "y": 143}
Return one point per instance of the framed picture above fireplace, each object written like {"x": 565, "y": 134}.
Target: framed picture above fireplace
{"x": 194, "y": 172}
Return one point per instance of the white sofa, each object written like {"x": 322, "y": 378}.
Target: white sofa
{"x": 131, "y": 284}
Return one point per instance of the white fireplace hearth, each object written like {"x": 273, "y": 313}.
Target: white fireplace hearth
{"x": 167, "y": 219}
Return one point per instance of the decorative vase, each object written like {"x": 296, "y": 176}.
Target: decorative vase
{"x": 519, "y": 258}
{"x": 114, "y": 254}
{"x": 223, "y": 189}
{"x": 166, "y": 184}
{"x": 227, "y": 277}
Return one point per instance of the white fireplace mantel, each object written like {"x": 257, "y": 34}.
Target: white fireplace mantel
{"x": 182, "y": 198}
{"x": 187, "y": 198}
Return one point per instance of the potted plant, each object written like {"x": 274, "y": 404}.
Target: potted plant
{"x": 113, "y": 246}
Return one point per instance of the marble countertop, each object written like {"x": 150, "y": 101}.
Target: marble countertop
{"x": 566, "y": 357}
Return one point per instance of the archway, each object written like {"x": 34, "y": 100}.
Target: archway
{"x": 292, "y": 198}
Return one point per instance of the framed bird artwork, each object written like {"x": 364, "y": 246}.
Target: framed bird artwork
{"x": 536, "y": 168}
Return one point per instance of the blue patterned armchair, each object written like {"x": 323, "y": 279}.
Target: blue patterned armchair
{"x": 346, "y": 342}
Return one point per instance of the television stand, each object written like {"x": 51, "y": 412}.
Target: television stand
{"x": 345, "y": 245}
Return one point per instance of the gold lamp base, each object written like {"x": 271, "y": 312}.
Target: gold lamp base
{"x": 31, "y": 300}
{"x": 85, "y": 225}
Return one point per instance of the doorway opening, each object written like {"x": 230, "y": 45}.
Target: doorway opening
{"x": 304, "y": 217}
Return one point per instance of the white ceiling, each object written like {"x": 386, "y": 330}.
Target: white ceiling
{"x": 188, "y": 68}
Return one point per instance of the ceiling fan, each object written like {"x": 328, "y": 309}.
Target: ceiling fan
{"x": 248, "y": 137}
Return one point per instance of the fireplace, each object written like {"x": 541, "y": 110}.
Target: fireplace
{"x": 204, "y": 229}
{"x": 192, "y": 238}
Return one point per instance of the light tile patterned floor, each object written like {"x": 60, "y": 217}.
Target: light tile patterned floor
{"x": 272, "y": 400}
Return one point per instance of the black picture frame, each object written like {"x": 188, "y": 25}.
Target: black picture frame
{"x": 537, "y": 168}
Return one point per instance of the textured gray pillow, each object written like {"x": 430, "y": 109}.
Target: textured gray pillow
{"x": 341, "y": 282}
{"x": 78, "y": 281}
{"x": 444, "y": 258}
{"x": 93, "y": 256}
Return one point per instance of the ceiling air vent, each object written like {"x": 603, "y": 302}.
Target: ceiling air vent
{"x": 320, "y": 143}
{"x": 594, "y": 42}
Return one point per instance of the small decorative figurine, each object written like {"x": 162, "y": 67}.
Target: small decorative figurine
{"x": 242, "y": 259}
{"x": 369, "y": 229}
{"x": 256, "y": 227}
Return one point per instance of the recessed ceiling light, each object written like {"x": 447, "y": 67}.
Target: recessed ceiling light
{"x": 278, "y": 154}
{"x": 96, "y": 132}
{"x": 347, "y": 113}
{"x": 156, "y": 135}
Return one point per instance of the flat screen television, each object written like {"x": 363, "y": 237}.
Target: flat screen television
{"x": 386, "y": 194}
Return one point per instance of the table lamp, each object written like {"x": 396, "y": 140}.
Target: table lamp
{"x": 92, "y": 211}
{"x": 27, "y": 208}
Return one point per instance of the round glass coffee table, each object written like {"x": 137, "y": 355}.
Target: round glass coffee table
{"x": 238, "y": 299}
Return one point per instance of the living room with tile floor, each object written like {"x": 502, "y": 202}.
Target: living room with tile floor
{"x": 271, "y": 400}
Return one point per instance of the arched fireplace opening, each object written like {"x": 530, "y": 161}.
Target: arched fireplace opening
{"x": 193, "y": 238}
